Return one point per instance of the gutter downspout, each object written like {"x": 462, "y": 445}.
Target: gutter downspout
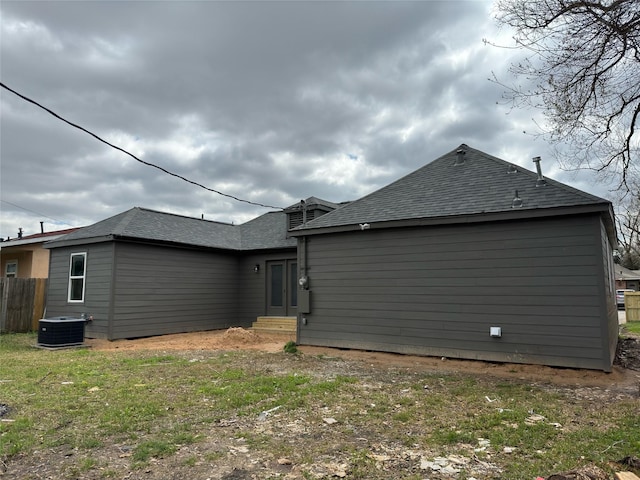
{"x": 302, "y": 270}
{"x": 302, "y": 267}
{"x": 112, "y": 294}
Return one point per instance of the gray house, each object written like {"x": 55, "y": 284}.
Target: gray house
{"x": 468, "y": 257}
{"x": 143, "y": 272}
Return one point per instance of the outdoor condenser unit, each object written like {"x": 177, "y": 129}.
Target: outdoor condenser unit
{"x": 61, "y": 332}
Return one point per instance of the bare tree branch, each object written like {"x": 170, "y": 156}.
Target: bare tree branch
{"x": 583, "y": 73}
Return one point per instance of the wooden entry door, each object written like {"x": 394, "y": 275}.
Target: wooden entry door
{"x": 282, "y": 288}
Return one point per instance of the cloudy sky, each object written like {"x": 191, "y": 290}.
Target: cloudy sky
{"x": 265, "y": 101}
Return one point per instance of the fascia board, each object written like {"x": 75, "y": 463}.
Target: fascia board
{"x": 603, "y": 208}
{"x": 77, "y": 241}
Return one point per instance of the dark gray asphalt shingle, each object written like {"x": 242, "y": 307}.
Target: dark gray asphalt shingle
{"x": 480, "y": 185}
{"x": 144, "y": 224}
{"x": 152, "y": 225}
{"x": 266, "y": 231}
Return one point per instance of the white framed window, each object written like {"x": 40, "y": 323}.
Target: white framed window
{"x": 11, "y": 269}
{"x": 77, "y": 273}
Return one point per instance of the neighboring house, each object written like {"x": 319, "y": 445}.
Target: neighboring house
{"x": 468, "y": 257}
{"x": 626, "y": 279}
{"x": 25, "y": 257}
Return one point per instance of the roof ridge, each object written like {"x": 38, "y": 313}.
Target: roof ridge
{"x": 150, "y": 210}
{"x": 128, "y": 216}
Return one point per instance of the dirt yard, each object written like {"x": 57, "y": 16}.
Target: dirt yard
{"x": 241, "y": 462}
{"x": 624, "y": 377}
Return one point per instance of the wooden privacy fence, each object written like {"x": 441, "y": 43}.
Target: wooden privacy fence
{"x": 632, "y": 306}
{"x": 22, "y": 303}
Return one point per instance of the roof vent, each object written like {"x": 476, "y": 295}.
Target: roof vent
{"x": 512, "y": 168}
{"x": 540, "y": 182}
{"x": 517, "y": 201}
{"x": 460, "y": 157}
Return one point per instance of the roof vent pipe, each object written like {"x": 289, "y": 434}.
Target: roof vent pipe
{"x": 41, "y": 227}
{"x": 540, "y": 181}
{"x": 460, "y": 157}
{"x": 517, "y": 201}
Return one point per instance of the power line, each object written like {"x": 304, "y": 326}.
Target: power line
{"x": 37, "y": 213}
{"x": 164, "y": 170}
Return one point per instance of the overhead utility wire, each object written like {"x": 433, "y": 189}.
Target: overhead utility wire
{"x": 131, "y": 154}
{"x": 37, "y": 213}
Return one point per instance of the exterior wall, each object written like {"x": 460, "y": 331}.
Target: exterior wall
{"x": 33, "y": 260}
{"x": 438, "y": 290}
{"x": 252, "y": 293}
{"x": 98, "y": 281}
{"x": 40, "y": 263}
{"x": 21, "y": 256}
{"x": 628, "y": 284}
{"x": 610, "y": 327}
{"x": 160, "y": 290}
{"x": 136, "y": 290}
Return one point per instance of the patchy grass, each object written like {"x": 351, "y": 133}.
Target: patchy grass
{"x": 632, "y": 327}
{"x": 108, "y": 414}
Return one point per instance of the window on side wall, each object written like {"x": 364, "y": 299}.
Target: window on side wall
{"x": 11, "y": 269}
{"x": 77, "y": 272}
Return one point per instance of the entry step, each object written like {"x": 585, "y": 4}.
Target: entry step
{"x": 275, "y": 324}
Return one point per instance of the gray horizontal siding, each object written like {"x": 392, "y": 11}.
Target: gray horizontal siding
{"x": 161, "y": 290}
{"x": 610, "y": 307}
{"x": 438, "y": 290}
{"x": 252, "y": 294}
{"x": 97, "y": 288}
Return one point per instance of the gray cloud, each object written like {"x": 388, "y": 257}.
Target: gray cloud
{"x": 267, "y": 101}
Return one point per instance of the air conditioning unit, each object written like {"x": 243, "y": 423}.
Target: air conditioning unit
{"x": 61, "y": 332}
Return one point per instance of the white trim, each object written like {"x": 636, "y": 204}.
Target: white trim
{"x": 82, "y": 277}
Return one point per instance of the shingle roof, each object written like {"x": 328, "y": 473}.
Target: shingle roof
{"x": 36, "y": 238}
{"x": 623, "y": 273}
{"x": 481, "y": 185}
{"x": 266, "y": 231}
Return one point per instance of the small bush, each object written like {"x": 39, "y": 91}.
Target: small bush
{"x": 290, "y": 347}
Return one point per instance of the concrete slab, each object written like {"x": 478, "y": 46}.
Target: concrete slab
{"x": 622, "y": 317}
